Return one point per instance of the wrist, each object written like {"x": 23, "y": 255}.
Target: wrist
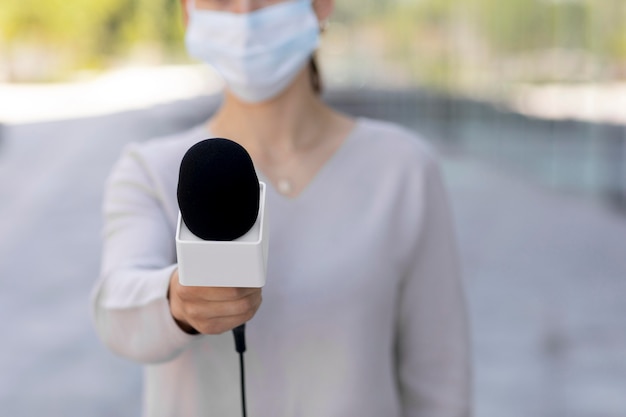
{"x": 186, "y": 327}
{"x": 180, "y": 322}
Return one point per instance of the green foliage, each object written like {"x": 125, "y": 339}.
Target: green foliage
{"x": 93, "y": 30}
{"x": 506, "y": 26}
{"x": 439, "y": 39}
{"x": 608, "y": 25}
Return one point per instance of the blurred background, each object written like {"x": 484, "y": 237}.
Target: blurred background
{"x": 524, "y": 99}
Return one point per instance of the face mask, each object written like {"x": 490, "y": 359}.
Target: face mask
{"x": 259, "y": 53}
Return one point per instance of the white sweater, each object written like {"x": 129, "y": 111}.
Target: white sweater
{"x": 363, "y": 312}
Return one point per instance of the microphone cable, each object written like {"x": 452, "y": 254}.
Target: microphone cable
{"x": 239, "y": 333}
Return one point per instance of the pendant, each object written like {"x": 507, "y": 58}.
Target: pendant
{"x": 284, "y": 186}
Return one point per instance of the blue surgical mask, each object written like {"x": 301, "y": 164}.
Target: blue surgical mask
{"x": 258, "y": 54}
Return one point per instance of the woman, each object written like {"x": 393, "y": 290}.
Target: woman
{"x": 363, "y": 310}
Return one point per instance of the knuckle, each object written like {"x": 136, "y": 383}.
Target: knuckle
{"x": 212, "y": 327}
{"x": 185, "y": 293}
{"x": 247, "y": 304}
{"x": 224, "y": 293}
{"x": 235, "y": 293}
{"x": 203, "y": 328}
{"x": 249, "y": 315}
{"x": 193, "y": 311}
{"x": 255, "y": 302}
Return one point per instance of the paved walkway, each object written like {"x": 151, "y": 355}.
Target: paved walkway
{"x": 545, "y": 275}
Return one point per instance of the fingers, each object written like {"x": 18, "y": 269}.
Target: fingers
{"x": 219, "y": 317}
{"x": 223, "y": 309}
{"x": 214, "y": 293}
{"x": 212, "y": 310}
{"x": 219, "y": 325}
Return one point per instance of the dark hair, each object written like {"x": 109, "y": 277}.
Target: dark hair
{"x": 316, "y": 78}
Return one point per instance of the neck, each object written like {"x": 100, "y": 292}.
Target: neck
{"x": 286, "y": 123}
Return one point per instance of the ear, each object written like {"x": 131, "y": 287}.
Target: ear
{"x": 183, "y": 4}
{"x": 323, "y": 9}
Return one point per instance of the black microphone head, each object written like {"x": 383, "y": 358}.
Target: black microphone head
{"x": 218, "y": 190}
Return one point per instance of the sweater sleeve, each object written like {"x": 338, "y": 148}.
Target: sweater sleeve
{"x": 433, "y": 344}
{"x": 129, "y": 303}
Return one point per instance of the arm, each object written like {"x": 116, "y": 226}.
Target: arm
{"x": 433, "y": 344}
{"x": 130, "y": 306}
{"x": 140, "y": 310}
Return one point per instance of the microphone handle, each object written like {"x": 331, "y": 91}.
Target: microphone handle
{"x": 240, "y": 338}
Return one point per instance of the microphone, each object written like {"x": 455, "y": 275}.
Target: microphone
{"x": 222, "y": 230}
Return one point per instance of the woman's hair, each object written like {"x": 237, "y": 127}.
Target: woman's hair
{"x": 316, "y": 78}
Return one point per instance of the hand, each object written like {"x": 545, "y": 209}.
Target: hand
{"x": 211, "y": 310}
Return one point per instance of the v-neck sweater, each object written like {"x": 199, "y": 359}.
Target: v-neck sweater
{"x": 363, "y": 312}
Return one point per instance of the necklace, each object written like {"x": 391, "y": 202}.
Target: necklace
{"x": 284, "y": 186}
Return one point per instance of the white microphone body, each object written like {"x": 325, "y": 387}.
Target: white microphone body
{"x": 237, "y": 263}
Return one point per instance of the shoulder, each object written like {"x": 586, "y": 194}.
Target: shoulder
{"x": 161, "y": 150}
{"x": 161, "y": 155}
{"x": 393, "y": 145}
